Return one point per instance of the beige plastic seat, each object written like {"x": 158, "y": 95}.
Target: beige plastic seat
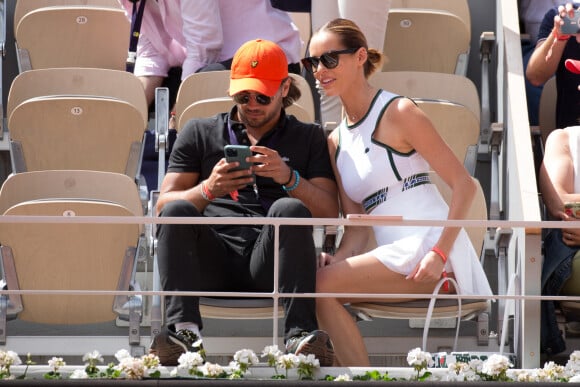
{"x": 76, "y": 132}
{"x": 72, "y": 36}
{"x": 445, "y": 308}
{"x": 459, "y": 8}
{"x": 78, "y": 81}
{"x": 61, "y": 256}
{"x": 426, "y": 40}
{"x": 215, "y": 84}
{"x": 24, "y": 6}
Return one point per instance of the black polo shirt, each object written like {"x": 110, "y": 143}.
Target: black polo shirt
{"x": 200, "y": 145}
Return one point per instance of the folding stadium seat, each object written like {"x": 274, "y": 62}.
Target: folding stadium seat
{"x": 76, "y": 132}
{"x": 77, "y": 118}
{"x": 459, "y": 8}
{"x": 70, "y": 33}
{"x": 426, "y": 40}
{"x": 71, "y": 256}
{"x": 215, "y": 84}
{"x": 78, "y": 81}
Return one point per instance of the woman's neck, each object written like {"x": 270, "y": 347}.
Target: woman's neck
{"x": 357, "y": 103}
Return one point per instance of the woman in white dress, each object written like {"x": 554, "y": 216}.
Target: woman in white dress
{"x": 382, "y": 153}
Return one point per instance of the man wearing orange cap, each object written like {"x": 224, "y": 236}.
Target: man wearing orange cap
{"x": 290, "y": 176}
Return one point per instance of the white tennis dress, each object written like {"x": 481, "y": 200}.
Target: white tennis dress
{"x": 387, "y": 182}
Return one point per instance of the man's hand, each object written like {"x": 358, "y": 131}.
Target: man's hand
{"x": 222, "y": 181}
{"x": 268, "y": 163}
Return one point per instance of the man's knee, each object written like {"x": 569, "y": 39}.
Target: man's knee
{"x": 289, "y": 208}
{"x": 181, "y": 208}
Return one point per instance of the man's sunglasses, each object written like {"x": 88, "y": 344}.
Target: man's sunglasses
{"x": 328, "y": 59}
{"x": 244, "y": 97}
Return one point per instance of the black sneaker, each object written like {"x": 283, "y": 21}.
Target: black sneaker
{"x": 169, "y": 345}
{"x": 315, "y": 343}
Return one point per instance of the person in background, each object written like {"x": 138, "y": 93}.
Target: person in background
{"x": 201, "y": 35}
{"x": 291, "y": 176}
{"x": 382, "y": 154}
{"x": 548, "y": 59}
{"x": 559, "y": 181}
{"x": 531, "y": 13}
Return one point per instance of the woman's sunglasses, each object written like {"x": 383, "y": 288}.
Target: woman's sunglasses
{"x": 329, "y": 59}
{"x": 244, "y": 97}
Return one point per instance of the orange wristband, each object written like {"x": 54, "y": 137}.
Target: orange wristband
{"x": 440, "y": 253}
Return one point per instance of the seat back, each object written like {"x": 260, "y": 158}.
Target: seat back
{"x": 72, "y": 36}
{"x": 22, "y": 7}
{"x": 459, "y": 8}
{"x": 547, "y": 108}
{"x": 76, "y": 132}
{"x": 426, "y": 40}
{"x": 78, "y": 81}
{"x": 68, "y": 256}
{"x": 215, "y": 84}
{"x": 71, "y": 184}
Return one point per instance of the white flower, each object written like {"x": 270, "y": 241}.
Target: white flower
{"x": 288, "y": 361}
{"x": 79, "y": 374}
{"x": 476, "y": 365}
{"x": 55, "y": 363}
{"x": 93, "y": 357}
{"x": 133, "y": 368}
{"x": 246, "y": 357}
{"x": 495, "y": 365}
{"x": 343, "y": 378}
{"x": 122, "y": 354}
{"x": 9, "y": 358}
{"x": 190, "y": 360}
{"x": 573, "y": 364}
{"x": 554, "y": 372}
{"x": 309, "y": 360}
{"x": 417, "y": 358}
{"x": 212, "y": 370}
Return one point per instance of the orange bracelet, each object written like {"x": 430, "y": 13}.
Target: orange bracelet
{"x": 440, "y": 253}
{"x": 206, "y": 193}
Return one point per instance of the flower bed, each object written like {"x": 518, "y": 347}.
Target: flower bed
{"x": 277, "y": 365}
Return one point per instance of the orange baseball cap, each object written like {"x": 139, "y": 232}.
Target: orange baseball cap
{"x": 258, "y": 65}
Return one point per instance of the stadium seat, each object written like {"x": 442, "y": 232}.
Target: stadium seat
{"x": 76, "y": 132}
{"x": 71, "y": 36}
{"x": 78, "y": 81}
{"x": 426, "y": 40}
{"x": 65, "y": 256}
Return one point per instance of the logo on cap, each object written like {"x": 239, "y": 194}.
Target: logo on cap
{"x": 254, "y": 63}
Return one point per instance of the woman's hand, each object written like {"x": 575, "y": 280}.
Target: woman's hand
{"x": 429, "y": 269}
{"x": 570, "y": 236}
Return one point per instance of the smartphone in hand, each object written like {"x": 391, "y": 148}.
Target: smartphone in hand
{"x": 238, "y": 153}
{"x": 570, "y": 26}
